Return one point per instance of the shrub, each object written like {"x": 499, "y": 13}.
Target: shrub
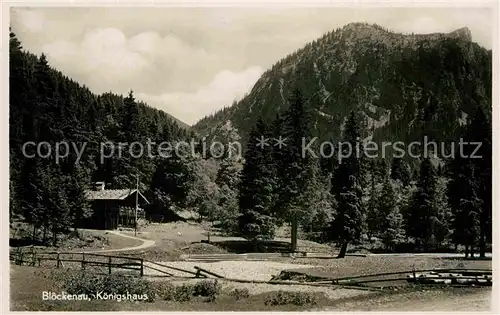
{"x": 183, "y": 293}
{"x": 240, "y": 293}
{"x": 295, "y": 298}
{"x": 164, "y": 291}
{"x": 168, "y": 292}
{"x": 208, "y": 288}
{"x": 88, "y": 283}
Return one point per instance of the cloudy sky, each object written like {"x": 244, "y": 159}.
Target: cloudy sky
{"x": 192, "y": 61}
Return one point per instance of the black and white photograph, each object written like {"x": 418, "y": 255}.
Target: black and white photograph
{"x": 253, "y": 157}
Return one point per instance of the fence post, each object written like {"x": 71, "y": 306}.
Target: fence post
{"x": 83, "y": 261}
{"x": 142, "y": 267}
{"x": 109, "y": 264}
{"x": 58, "y": 261}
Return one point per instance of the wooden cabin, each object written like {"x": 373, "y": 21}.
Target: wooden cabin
{"x": 112, "y": 208}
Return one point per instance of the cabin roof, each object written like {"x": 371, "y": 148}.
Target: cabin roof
{"x": 112, "y": 194}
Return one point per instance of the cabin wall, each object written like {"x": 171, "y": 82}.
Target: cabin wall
{"x": 104, "y": 215}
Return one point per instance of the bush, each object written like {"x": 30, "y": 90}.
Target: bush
{"x": 114, "y": 284}
{"x": 295, "y": 298}
{"x": 208, "y": 288}
{"x": 183, "y": 293}
{"x": 164, "y": 291}
{"x": 239, "y": 294}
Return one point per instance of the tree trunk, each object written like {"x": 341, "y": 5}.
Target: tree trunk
{"x": 44, "y": 235}
{"x": 343, "y": 250}
{"x": 293, "y": 246}
{"x": 54, "y": 237}
{"x": 466, "y": 251}
{"x": 482, "y": 241}
{"x": 33, "y": 236}
{"x": 255, "y": 245}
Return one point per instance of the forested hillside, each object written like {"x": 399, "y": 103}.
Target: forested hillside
{"x": 363, "y": 81}
{"x": 403, "y": 86}
{"x": 46, "y": 106}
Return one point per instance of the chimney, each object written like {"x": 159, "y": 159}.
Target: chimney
{"x": 99, "y": 186}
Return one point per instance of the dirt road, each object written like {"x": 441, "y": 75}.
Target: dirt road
{"x": 480, "y": 301}
{"x": 426, "y": 301}
{"x": 144, "y": 245}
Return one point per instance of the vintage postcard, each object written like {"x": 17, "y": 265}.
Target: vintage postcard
{"x": 257, "y": 157}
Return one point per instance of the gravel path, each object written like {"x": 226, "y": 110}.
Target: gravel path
{"x": 144, "y": 245}
{"x": 427, "y": 301}
{"x": 468, "y": 303}
{"x": 246, "y": 270}
{"x": 252, "y": 270}
{"x": 436, "y": 255}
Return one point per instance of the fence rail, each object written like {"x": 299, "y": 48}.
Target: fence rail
{"x": 33, "y": 258}
{"x": 454, "y": 276}
{"x": 442, "y": 270}
{"x": 427, "y": 276}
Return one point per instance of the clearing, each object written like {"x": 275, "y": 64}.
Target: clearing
{"x": 170, "y": 243}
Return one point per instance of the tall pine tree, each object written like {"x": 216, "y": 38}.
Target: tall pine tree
{"x": 256, "y": 188}
{"x": 423, "y": 210}
{"x": 295, "y": 170}
{"x": 349, "y": 222}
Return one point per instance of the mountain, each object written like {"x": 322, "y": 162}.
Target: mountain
{"x": 402, "y": 86}
{"x": 179, "y": 122}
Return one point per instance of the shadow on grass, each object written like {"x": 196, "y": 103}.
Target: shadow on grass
{"x": 468, "y": 258}
{"x": 243, "y": 246}
{"x": 20, "y": 242}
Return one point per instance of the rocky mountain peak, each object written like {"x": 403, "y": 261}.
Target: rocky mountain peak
{"x": 401, "y": 85}
{"x": 463, "y": 33}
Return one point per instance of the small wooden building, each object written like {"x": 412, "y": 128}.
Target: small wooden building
{"x": 113, "y": 207}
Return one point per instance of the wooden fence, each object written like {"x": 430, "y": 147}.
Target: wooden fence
{"x": 32, "y": 257}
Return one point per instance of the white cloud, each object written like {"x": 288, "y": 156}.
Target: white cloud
{"x": 105, "y": 59}
{"x": 175, "y": 57}
{"x": 31, "y": 20}
{"x": 225, "y": 88}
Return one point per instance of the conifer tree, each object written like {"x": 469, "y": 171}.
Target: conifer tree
{"x": 442, "y": 222}
{"x": 392, "y": 231}
{"x": 400, "y": 171}
{"x": 256, "y": 188}
{"x": 295, "y": 170}
{"x": 228, "y": 179}
{"x": 349, "y": 222}
{"x": 77, "y": 185}
{"x": 319, "y": 205}
{"x": 479, "y": 131}
{"x": 373, "y": 216}
{"x": 423, "y": 211}
{"x": 469, "y": 186}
